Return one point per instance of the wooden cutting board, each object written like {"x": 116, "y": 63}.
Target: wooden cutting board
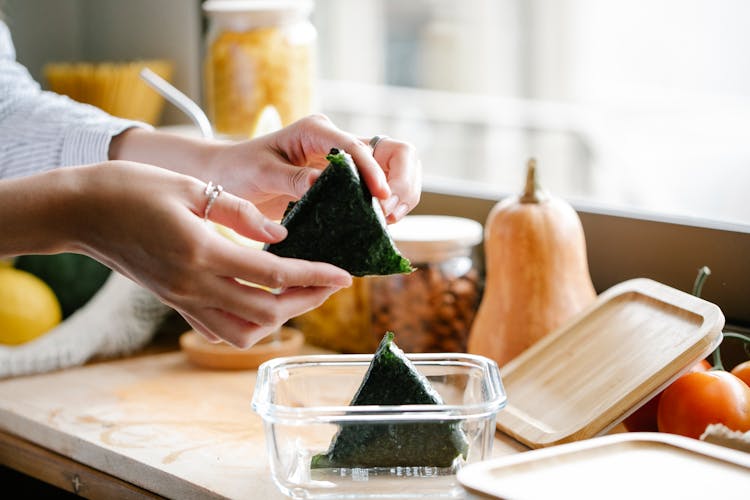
{"x": 158, "y": 421}
{"x": 589, "y": 375}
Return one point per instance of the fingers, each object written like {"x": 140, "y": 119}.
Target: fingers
{"x": 369, "y": 169}
{"x": 243, "y": 323}
{"x": 392, "y": 171}
{"x": 271, "y": 271}
{"x": 310, "y": 138}
{"x": 290, "y": 180}
{"x": 258, "y": 305}
{"x": 256, "y": 266}
{"x": 404, "y": 176}
{"x": 199, "y": 327}
{"x": 241, "y": 314}
{"x": 242, "y": 216}
{"x": 393, "y": 174}
{"x": 217, "y": 306}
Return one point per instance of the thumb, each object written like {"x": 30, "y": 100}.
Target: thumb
{"x": 243, "y": 217}
{"x": 285, "y": 179}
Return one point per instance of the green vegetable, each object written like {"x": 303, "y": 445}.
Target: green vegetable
{"x": 338, "y": 221}
{"x": 74, "y": 278}
{"x": 392, "y": 379}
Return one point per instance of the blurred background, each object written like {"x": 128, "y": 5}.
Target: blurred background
{"x": 637, "y": 105}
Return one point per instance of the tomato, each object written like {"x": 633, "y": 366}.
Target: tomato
{"x": 698, "y": 399}
{"x": 644, "y": 418}
{"x": 703, "y": 366}
{"x": 742, "y": 371}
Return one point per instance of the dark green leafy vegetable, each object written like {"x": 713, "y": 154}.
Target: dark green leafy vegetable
{"x": 73, "y": 277}
{"x": 392, "y": 379}
{"x": 337, "y": 222}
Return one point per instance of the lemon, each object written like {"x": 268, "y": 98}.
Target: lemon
{"x": 268, "y": 121}
{"x": 4, "y": 262}
{"x": 28, "y": 307}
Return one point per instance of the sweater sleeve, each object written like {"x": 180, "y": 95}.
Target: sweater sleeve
{"x": 41, "y": 130}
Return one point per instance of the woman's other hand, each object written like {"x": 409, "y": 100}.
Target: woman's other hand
{"x": 147, "y": 223}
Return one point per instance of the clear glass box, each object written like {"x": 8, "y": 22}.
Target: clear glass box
{"x": 304, "y": 400}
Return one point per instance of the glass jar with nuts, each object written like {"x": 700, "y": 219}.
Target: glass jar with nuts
{"x": 429, "y": 310}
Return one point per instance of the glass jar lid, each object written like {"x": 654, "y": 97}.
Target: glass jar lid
{"x": 251, "y": 13}
{"x": 432, "y": 238}
{"x": 219, "y": 6}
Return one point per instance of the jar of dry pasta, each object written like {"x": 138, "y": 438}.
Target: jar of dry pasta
{"x": 429, "y": 310}
{"x": 258, "y": 53}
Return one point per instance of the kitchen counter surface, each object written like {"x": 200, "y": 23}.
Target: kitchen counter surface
{"x": 152, "y": 424}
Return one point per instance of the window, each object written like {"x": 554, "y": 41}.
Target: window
{"x": 638, "y": 112}
{"x": 638, "y": 105}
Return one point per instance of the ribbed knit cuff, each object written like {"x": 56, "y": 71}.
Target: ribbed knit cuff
{"x": 90, "y": 144}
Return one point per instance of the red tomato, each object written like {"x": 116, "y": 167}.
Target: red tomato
{"x": 698, "y": 399}
{"x": 742, "y": 371}
{"x": 644, "y": 418}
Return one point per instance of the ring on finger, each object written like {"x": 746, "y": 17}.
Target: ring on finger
{"x": 212, "y": 192}
{"x": 376, "y": 140}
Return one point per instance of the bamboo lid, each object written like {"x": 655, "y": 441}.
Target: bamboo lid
{"x": 587, "y": 376}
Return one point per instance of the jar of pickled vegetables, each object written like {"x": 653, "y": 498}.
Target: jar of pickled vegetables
{"x": 258, "y": 54}
{"x": 429, "y": 310}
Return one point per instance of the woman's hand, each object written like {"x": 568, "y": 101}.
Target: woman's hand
{"x": 280, "y": 167}
{"x": 147, "y": 223}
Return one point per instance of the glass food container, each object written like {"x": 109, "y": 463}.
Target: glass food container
{"x": 258, "y": 53}
{"x": 304, "y": 400}
{"x": 429, "y": 310}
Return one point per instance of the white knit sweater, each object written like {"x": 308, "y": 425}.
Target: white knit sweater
{"x": 41, "y": 130}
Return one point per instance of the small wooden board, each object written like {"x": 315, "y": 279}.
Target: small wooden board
{"x": 286, "y": 342}
{"x": 620, "y": 466}
{"x": 587, "y": 376}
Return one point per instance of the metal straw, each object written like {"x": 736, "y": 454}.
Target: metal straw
{"x": 183, "y": 102}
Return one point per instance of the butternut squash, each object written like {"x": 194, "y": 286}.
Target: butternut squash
{"x": 537, "y": 274}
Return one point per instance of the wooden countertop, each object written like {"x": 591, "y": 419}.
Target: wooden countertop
{"x": 154, "y": 421}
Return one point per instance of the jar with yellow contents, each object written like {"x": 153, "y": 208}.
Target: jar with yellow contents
{"x": 258, "y": 54}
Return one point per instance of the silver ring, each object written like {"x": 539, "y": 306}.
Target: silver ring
{"x": 212, "y": 192}
{"x": 376, "y": 140}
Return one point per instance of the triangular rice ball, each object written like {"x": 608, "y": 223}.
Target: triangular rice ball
{"x": 392, "y": 379}
{"x": 339, "y": 222}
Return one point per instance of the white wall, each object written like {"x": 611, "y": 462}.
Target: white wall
{"x": 97, "y": 30}
{"x": 139, "y": 29}
{"x": 44, "y": 30}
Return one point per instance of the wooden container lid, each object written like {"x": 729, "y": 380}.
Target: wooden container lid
{"x": 587, "y": 376}
{"x": 620, "y": 466}
{"x": 223, "y": 356}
